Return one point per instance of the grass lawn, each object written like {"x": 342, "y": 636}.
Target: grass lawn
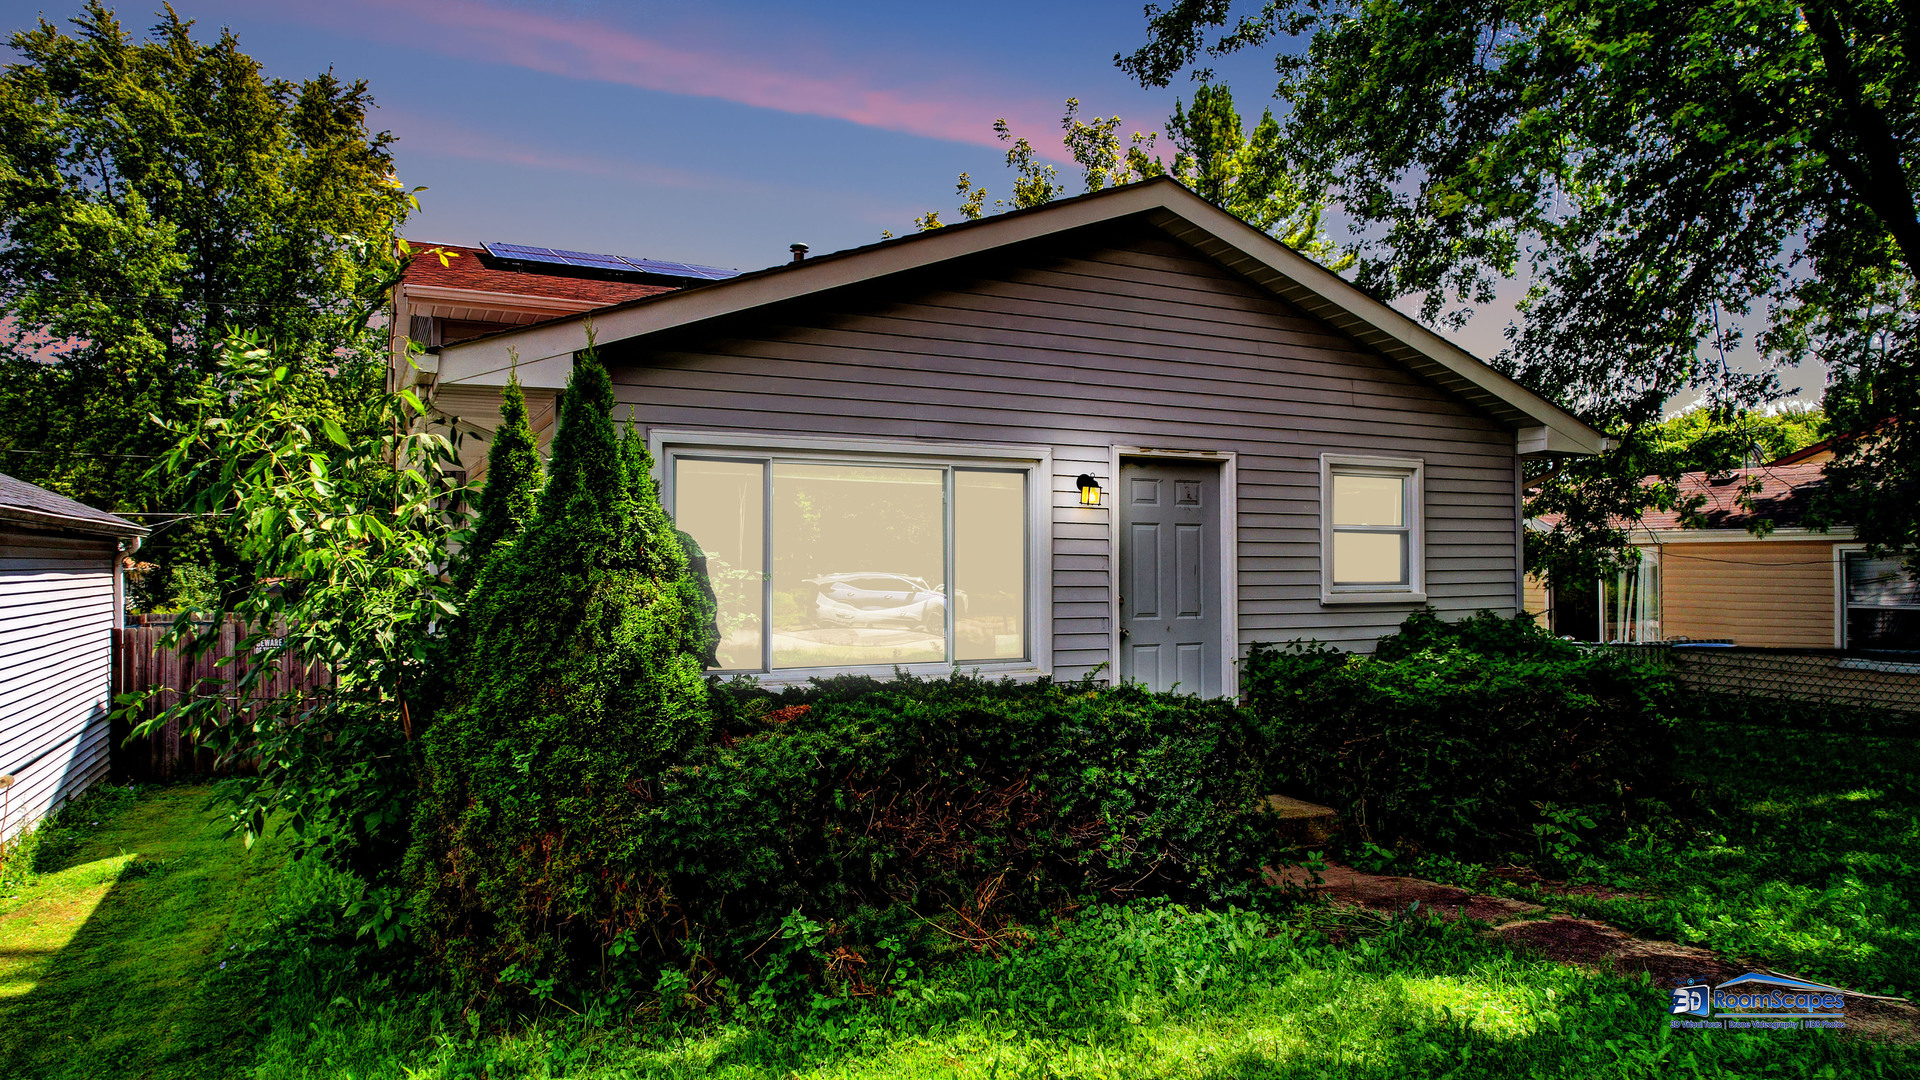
{"x": 1145, "y": 992}
{"x": 1804, "y": 856}
{"x": 110, "y": 967}
{"x": 109, "y": 964}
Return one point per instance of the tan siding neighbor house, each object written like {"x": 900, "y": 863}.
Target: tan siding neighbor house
{"x": 1122, "y": 433}
{"x": 1751, "y": 572}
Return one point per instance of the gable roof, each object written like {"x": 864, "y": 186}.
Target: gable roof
{"x": 28, "y": 504}
{"x": 546, "y": 350}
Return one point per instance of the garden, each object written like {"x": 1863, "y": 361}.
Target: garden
{"x": 523, "y": 834}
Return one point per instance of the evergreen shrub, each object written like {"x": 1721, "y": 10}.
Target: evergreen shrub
{"x": 1455, "y": 736}
{"x": 577, "y": 679}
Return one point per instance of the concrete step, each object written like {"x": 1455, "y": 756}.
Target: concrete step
{"x": 1300, "y": 821}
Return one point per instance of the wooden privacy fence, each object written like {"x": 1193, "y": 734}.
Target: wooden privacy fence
{"x": 141, "y": 662}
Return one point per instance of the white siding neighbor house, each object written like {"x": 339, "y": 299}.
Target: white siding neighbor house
{"x": 1124, "y": 433}
{"x": 60, "y": 599}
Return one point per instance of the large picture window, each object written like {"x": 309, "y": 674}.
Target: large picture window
{"x": 1880, "y": 604}
{"x": 1370, "y": 513}
{"x": 857, "y": 561}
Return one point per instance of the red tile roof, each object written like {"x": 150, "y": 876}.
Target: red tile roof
{"x": 469, "y": 268}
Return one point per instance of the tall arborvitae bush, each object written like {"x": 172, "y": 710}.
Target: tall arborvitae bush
{"x": 696, "y": 587}
{"x": 581, "y": 681}
{"x": 506, "y": 503}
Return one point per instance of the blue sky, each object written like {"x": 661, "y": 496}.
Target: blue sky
{"x": 715, "y": 133}
{"x": 719, "y": 132}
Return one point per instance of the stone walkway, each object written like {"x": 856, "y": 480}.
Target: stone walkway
{"x": 1570, "y": 940}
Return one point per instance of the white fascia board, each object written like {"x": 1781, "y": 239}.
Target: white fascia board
{"x": 485, "y": 361}
{"x": 1557, "y": 442}
{"x": 1325, "y": 294}
{"x": 1164, "y": 202}
{"x": 1649, "y": 537}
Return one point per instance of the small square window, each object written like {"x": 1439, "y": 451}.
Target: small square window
{"x": 1370, "y": 532}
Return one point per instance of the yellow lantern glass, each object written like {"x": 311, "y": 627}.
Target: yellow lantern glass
{"x": 1089, "y": 490}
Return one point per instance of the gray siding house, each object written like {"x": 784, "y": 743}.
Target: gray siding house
{"x": 1124, "y": 432}
{"x": 60, "y": 600}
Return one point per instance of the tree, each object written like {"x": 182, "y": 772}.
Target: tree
{"x": 348, "y": 533}
{"x": 506, "y": 503}
{"x": 1095, "y": 146}
{"x": 154, "y": 196}
{"x": 1660, "y": 174}
{"x": 695, "y": 587}
{"x": 581, "y": 680}
{"x": 1245, "y": 177}
{"x": 1717, "y": 441}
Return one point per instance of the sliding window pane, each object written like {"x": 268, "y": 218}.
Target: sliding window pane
{"x": 990, "y": 565}
{"x": 858, "y": 565}
{"x": 720, "y": 504}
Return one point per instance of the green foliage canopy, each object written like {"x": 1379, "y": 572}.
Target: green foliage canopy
{"x": 1245, "y": 176}
{"x": 506, "y": 503}
{"x": 348, "y": 533}
{"x": 1660, "y": 174}
{"x": 155, "y": 195}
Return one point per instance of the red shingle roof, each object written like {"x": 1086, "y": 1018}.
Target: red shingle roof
{"x": 468, "y": 268}
{"x": 1786, "y": 492}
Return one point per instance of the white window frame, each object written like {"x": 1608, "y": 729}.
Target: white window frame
{"x": 667, "y": 445}
{"x": 1229, "y": 463}
{"x": 1414, "y": 470}
{"x": 1648, "y": 555}
{"x": 1840, "y": 553}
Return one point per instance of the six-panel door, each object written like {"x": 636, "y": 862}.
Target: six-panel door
{"x": 1170, "y": 628}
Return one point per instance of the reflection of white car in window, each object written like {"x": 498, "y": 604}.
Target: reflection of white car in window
{"x": 880, "y": 600}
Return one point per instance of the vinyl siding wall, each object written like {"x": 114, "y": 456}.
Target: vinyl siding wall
{"x": 56, "y": 668}
{"x": 1126, "y": 338}
{"x": 1772, "y": 593}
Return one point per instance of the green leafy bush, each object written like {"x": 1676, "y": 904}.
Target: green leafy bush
{"x": 1455, "y": 735}
{"x": 878, "y": 809}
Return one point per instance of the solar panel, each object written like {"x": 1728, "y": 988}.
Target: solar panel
{"x": 519, "y": 251}
{"x": 590, "y": 261}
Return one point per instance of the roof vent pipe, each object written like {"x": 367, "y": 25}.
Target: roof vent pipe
{"x": 799, "y": 251}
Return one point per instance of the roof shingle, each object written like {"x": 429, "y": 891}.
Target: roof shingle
{"x": 22, "y": 501}
{"x": 473, "y": 268}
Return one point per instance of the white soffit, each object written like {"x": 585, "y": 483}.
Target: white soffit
{"x": 1541, "y": 426}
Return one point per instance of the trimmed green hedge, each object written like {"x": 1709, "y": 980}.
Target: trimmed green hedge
{"x": 930, "y": 815}
{"x": 1451, "y": 735}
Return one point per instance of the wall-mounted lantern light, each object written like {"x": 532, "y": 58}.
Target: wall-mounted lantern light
{"x": 1089, "y": 490}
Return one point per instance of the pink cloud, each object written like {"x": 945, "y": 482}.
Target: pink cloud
{"x": 441, "y": 136}
{"x": 597, "y": 51}
{"x": 438, "y": 135}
